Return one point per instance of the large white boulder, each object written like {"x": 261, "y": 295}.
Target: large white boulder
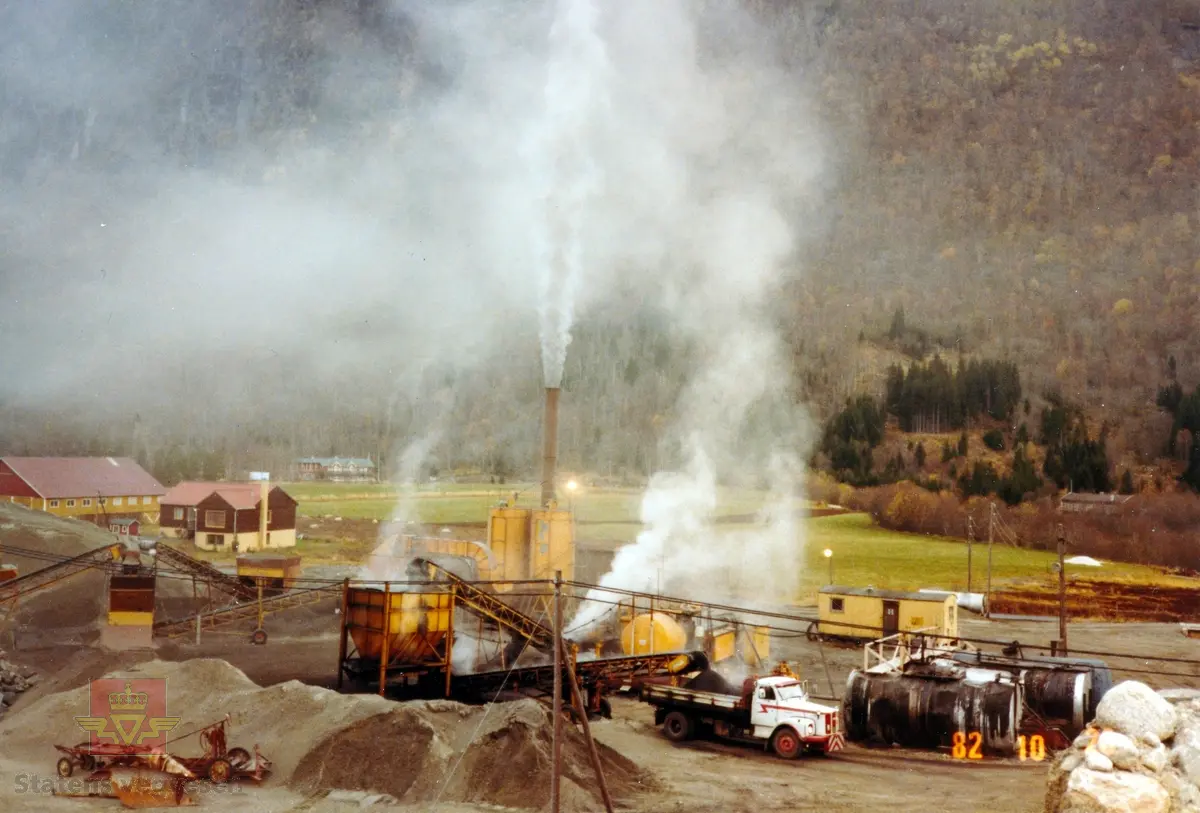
{"x": 1119, "y": 792}
{"x": 1135, "y": 709}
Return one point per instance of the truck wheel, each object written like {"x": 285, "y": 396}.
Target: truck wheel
{"x": 785, "y": 743}
{"x": 677, "y": 727}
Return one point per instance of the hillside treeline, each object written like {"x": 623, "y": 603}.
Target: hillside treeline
{"x": 1019, "y": 178}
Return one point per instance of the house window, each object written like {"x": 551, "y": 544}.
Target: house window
{"x": 103, "y": 500}
{"x": 70, "y": 503}
{"x": 214, "y": 519}
{"x": 216, "y": 540}
{"x": 837, "y": 605}
{"x": 54, "y": 503}
{"x": 87, "y": 501}
{"x": 178, "y": 513}
{"x": 147, "y": 500}
{"x": 269, "y": 516}
{"x": 116, "y": 500}
{"x": 116, "y": 529}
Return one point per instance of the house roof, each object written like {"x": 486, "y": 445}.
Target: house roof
{"x": 888, "y": 594}
{"x": 241, "y": 496}
{"x": 54, "y": 477}
{"x": 124, "y": 522}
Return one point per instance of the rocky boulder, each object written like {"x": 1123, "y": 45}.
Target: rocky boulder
{"x": 1135, "y": 709}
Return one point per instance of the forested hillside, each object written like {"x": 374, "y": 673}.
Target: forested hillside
{"x": 1017, "y": 179}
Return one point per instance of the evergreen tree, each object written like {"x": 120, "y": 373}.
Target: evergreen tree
{"x": 1127, "y": 482}
{"x": 919, "y": 454}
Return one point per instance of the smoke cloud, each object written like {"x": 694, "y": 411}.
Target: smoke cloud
{"x": 221, "y": 215}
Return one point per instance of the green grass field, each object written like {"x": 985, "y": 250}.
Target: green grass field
{"x": 470, "y": 503}
{"x": 863, "y": 553}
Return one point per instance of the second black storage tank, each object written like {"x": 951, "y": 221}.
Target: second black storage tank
{"x": 921, "y": 711}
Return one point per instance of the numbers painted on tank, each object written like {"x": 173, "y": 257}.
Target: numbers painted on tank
{"x": 1033, "y": 748}
{"x": 967, "y": 745}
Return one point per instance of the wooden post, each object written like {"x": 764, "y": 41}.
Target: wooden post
{"x": 987, "y": 602}
{"x": 384, "y": 654}
{"x": 450, "y": 638}
{"x": 970, "y": 540}
{"x": 556, "y": 741}
{"x": 259, "y": 581}
{"x": 1062, "y": 590}
{"x": 581, "y": 709}
{"x": 263, "y": 511}
{"x": 345, "y": 630}
{"x": 197, "y": 629}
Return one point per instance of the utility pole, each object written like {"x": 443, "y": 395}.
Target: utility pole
{"x": 1062, "y": 591}
{"x": 970, "y": 539}
{"x": 991, "y": 528}
{"x": 556, "y": 743}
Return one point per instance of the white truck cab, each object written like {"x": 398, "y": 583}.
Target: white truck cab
{"x": 781, "y": 713}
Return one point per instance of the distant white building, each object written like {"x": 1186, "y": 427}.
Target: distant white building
{"x": 336, "y": 469}
{"x": 1079, "y": 503}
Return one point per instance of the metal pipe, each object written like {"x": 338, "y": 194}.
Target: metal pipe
{"x": 556, "y": 765}
{"x": 549, "y": 445}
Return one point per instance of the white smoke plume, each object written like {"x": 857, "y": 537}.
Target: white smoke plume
{"x": 386, "y": 563}
{"x": 563, "y": 160}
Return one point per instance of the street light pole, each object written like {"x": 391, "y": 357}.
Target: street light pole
{"x": 829, "y": 556}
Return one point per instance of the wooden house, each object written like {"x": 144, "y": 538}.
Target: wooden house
{"x": 95, "y": 489}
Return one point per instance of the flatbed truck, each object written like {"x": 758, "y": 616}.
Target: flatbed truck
{"x": 774, "y": 712}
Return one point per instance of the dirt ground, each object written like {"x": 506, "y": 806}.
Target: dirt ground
{"x": 1099, "y": 599}
{"x": 700, "y": 776}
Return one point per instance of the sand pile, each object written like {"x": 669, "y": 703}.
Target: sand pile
{"x": 445, "y": 751}
{"x": 321, "y": 740}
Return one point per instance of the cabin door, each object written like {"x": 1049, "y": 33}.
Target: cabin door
{"x": 891, "y": 618}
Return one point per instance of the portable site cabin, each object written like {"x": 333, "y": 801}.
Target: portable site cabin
{"x": 867, "y": 613}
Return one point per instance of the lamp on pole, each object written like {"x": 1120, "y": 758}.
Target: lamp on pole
{"x": 829, "y": 556}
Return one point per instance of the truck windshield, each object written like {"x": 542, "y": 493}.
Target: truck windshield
{"x": 793, "y": 692}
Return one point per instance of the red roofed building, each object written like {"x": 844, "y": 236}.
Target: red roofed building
{"x": 224, "y": 516}
{"x": 87, "y": 488}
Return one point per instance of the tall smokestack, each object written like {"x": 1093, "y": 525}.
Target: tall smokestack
{"x": 550, "y": 445}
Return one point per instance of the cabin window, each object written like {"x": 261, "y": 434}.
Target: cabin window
{"x": 70, "y": 503}
{"x": 87, "y": 501}
{"x": 766, "y": 693}
{"x": 147, "y": 500}
{"x": 54, "y": 503}
{"x": 837, "y": 605}
{"x": 214, "y": 519}
{"x": 116, "y": 500}
{"x": 178, "y": 513}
